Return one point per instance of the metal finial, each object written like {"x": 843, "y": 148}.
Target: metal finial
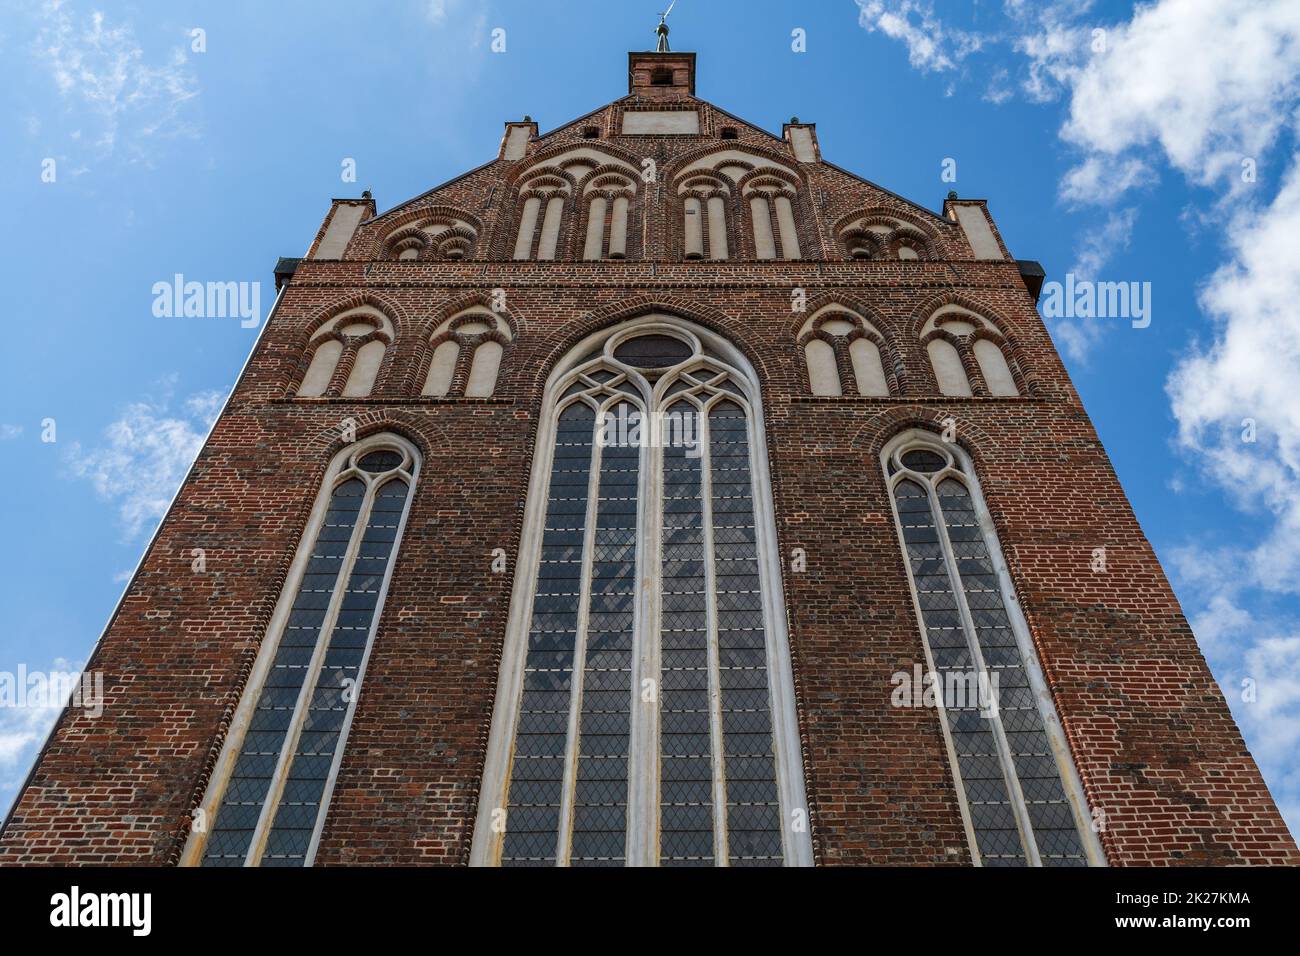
{"x": 662, "y": 29}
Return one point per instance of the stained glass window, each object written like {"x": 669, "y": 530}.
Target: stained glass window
{"x": 1005, "y": 762}
{"x": 273, "y": 801}
{"x": 655, "y": 742}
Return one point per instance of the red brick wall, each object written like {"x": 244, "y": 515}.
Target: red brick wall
{"x": 1152, "y": 737}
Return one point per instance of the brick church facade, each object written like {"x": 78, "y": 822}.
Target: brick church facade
{"x": 450, "y": 610}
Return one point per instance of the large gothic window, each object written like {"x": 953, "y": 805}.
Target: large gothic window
{"x": 645, "y": 710}
{"x": 1018, "y": 791}
{"x": 270, "y": 791}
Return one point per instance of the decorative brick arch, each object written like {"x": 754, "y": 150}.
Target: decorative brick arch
{"x": 915, "y": 232}
{"x": 385, "y": 228}
{"x": 306, "y": 342}
{"x": 873, "y": 434}
{"x": 427, "y": 339}
{"x": 739, "y": 227}
{"x": 857, "y": 312}
{"x": 1021, "y": 372}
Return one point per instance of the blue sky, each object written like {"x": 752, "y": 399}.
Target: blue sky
{"x": 1120, "y": 155}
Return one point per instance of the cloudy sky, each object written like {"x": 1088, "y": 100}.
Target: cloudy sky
{"x": 1140, "y": 143}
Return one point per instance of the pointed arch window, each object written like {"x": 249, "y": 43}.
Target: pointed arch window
{"x": 270, "y": 792}
{"x": 1019, "y": 793}
{"x": 645, "y": 708}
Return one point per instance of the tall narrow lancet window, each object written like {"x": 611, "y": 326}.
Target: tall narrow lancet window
{"x": 1019, "y": 793}
{"x": 645, "y": 708}
{"x": 270, "y": 791}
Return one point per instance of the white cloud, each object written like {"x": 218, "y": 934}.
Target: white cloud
{"x": 103, "y": 74}
{"x": 1207, "y": 82}
{"x": 931, "y": 46}
{"x": 1251, "y": 370}
{"x": 1099, "y": 180}
{"x": 23, "y": 729}
{"x": 1202, "y": 85}
{"x": 1099, "y": 246}
{"x": 9, "y": 432}
{"x": 1078, "y": 336}
{"x": 999, "y": 90}
{"x": 144, "y": 456}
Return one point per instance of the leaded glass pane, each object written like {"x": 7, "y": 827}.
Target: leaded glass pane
{"x": 923, "y": 460}
{"x": 653, "y": 351}
{"x": 537, "y": 768}
{"x": 753, "y": 811}
{"x": 686, "y": 751}
{"x": 600, "y": 793}
{"x": 979, "y": 762}
{"x": 1035, "y": 764}
{"x": 247, "y": 789}
{"x": 335, "y": 689}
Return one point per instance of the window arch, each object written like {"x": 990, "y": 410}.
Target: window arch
{"x": 1019, "y": 793}
{"x": 770, "y": 200}
{"x": 881, "y": 235}
{"x": 441, "y": 236}
{"x": 969, "y": 355}
{"x": 269, "y": 795}
{"x": 845, "y": 355}
{"x": 705, "y": 198}
{"x": 645, "y": 707}
{"x": 542, "y": 200}
{"x": 608, "y": 197}
{"x": 465, "y": 355}
{"x": 345, "y": 355}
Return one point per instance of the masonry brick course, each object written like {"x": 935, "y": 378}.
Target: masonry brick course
{"x": 1154, "y": 743}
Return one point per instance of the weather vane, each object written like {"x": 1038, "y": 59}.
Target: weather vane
{"x": 662, "y": 29}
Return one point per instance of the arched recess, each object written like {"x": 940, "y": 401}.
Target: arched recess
{"x": 438, "y": 233}
{"x": 648, "y": 560}
{"x": 464, "y": 354}
{"x": 553, "y": 199}
{"x": 886, "y": 234}
{"x": 1021, "y": 799}
{"x": 268, "y": 797}
{"x": 608, "y": 197}
{"x": 757, "y": 202}
{"x": 704, "y": 209}
{"x": 346, "y": 354}
{"x": 845, "y": 354}
{"x": 969, "y": 355}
